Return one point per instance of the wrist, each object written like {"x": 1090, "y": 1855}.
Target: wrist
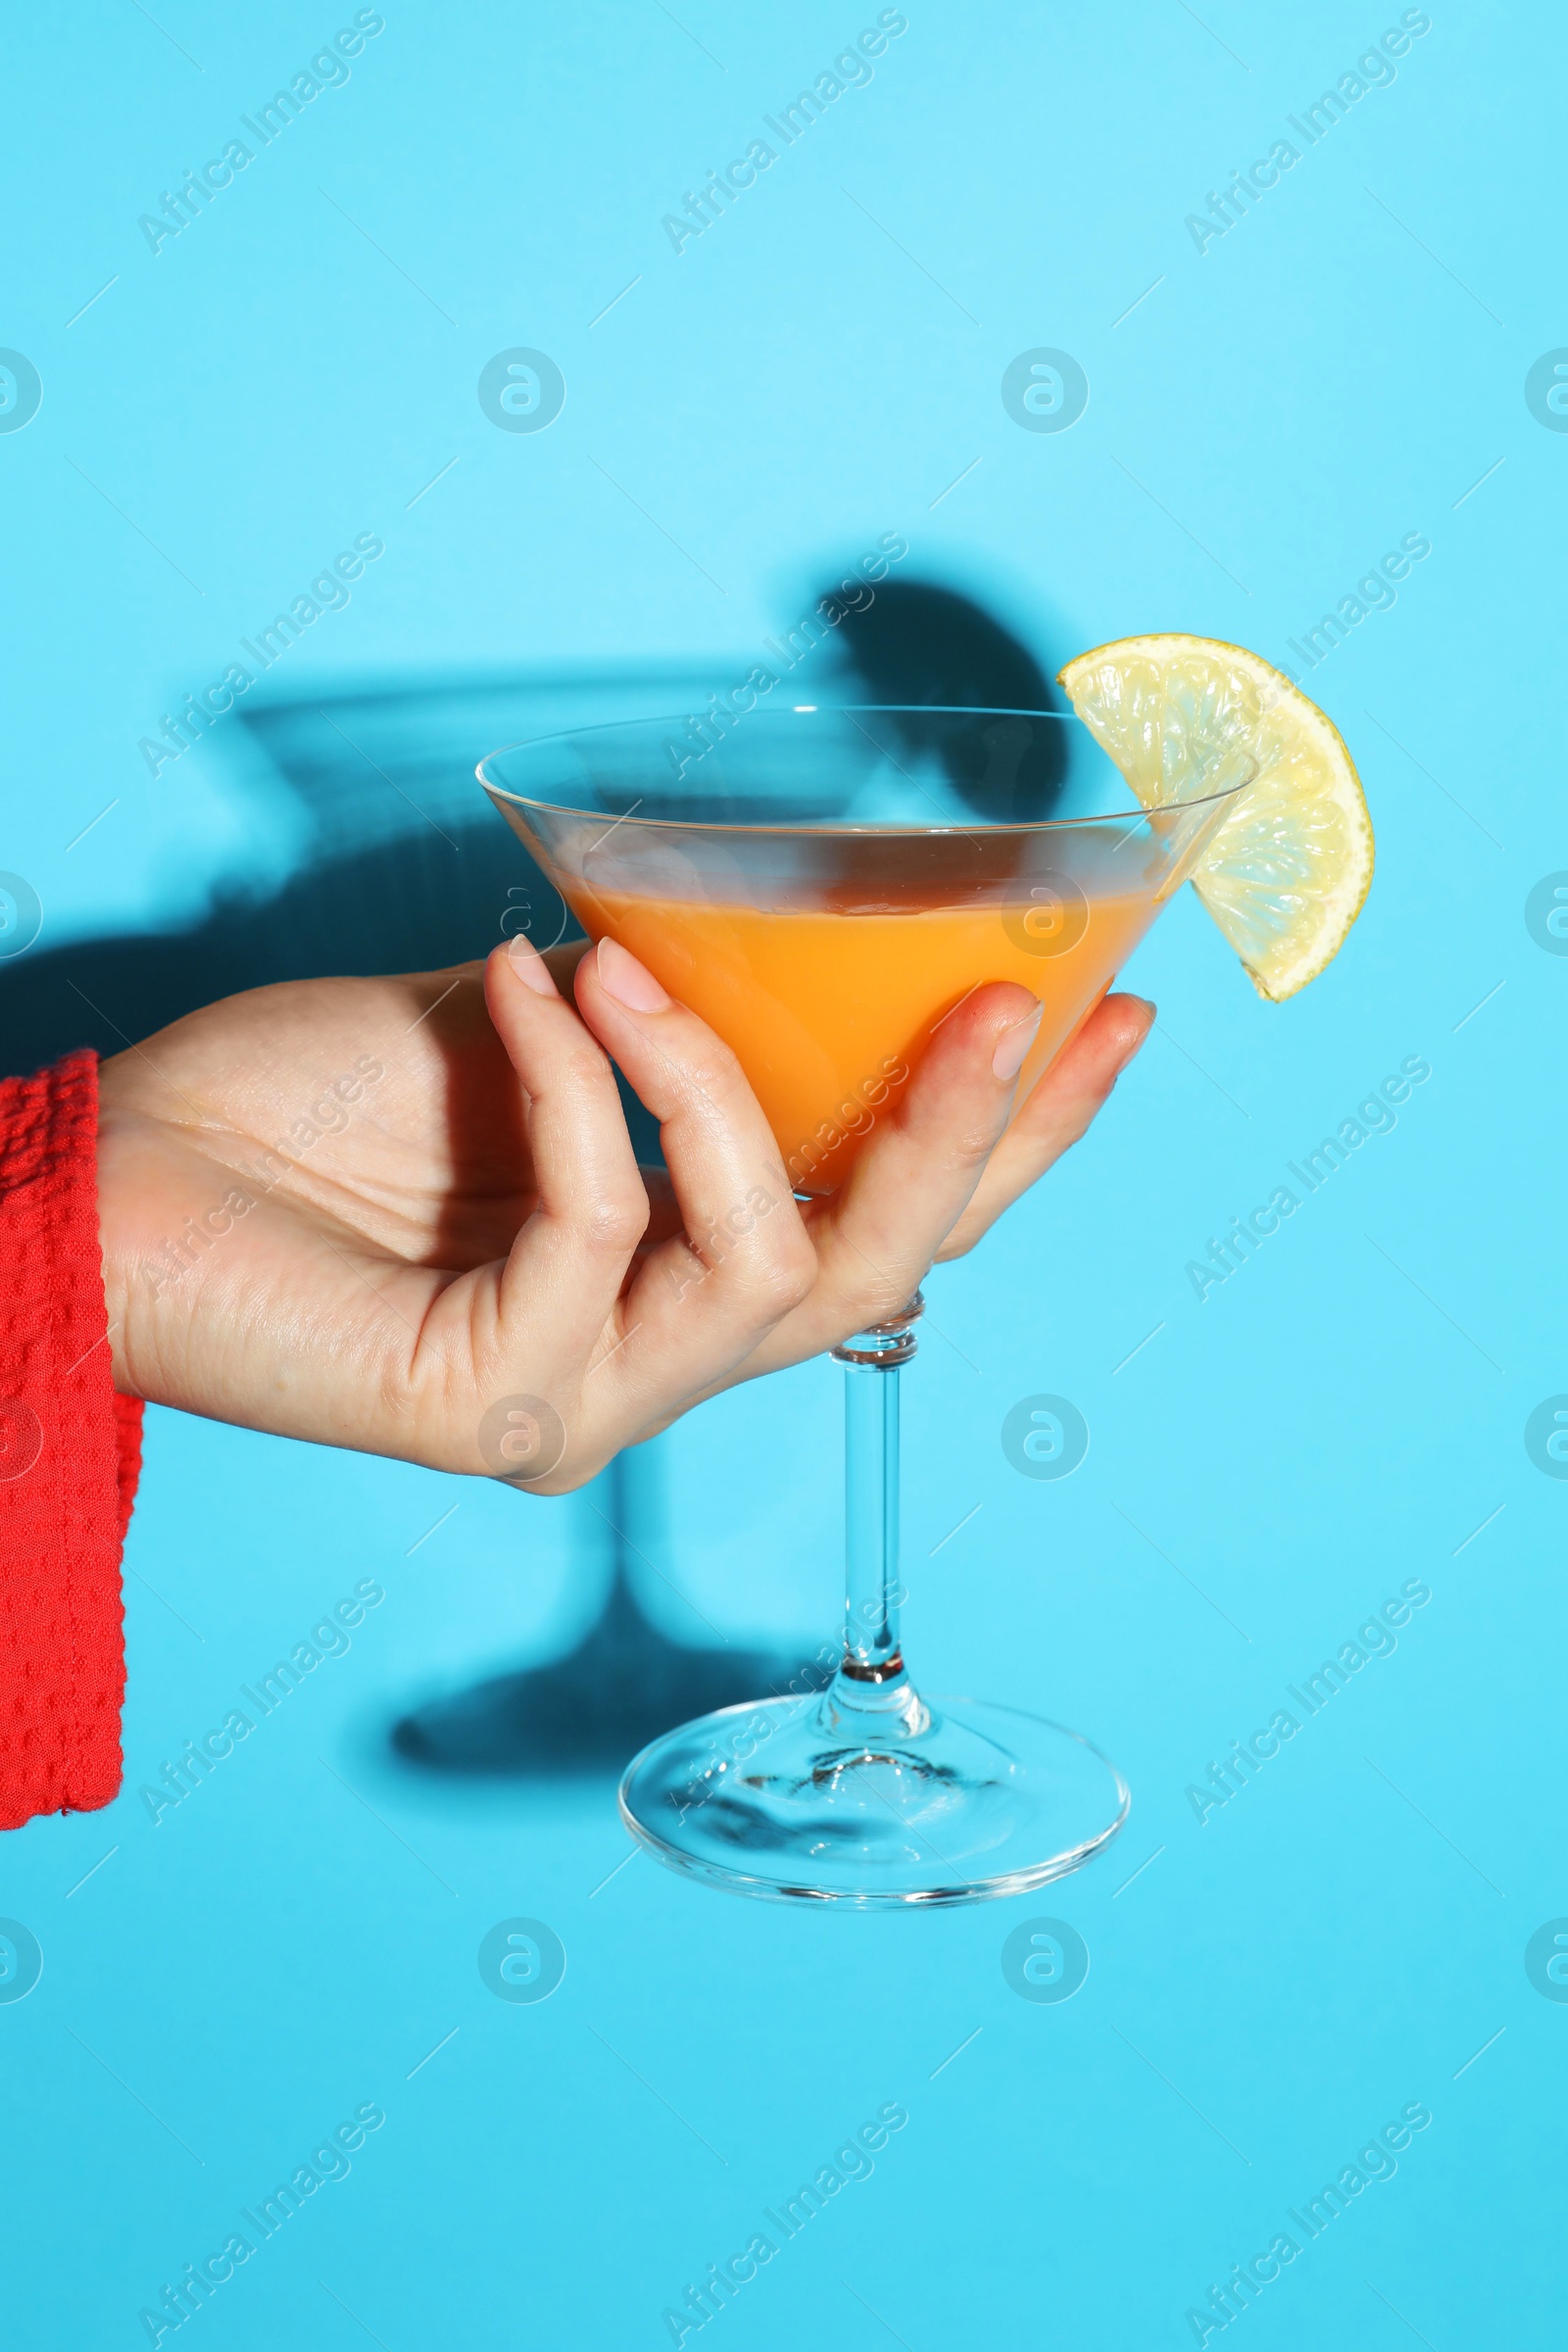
{"x": 122, "y": 1290}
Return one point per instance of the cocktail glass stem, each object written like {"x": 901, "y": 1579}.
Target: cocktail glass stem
{"x": 871, "y": 1690}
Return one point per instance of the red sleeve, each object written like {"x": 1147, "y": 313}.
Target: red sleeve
{"x": 70, "y": 1453}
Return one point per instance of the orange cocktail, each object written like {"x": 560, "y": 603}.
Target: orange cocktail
{"x": 829, "y": 1011}
{"x": 824, "y": 886}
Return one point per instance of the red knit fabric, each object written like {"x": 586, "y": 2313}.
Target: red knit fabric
{"x": 69, "y": 1454}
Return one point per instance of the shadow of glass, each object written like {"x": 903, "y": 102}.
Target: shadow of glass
{"x": 403, "y": 866}
{"x": 623, "y": 1684}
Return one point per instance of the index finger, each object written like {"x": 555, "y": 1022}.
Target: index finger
{"x": 724, "y": 1169}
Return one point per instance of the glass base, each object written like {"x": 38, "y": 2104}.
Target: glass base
{"x": 867, "y": 1796}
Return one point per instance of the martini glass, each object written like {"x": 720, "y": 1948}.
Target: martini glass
{"x": 823, "y": 886}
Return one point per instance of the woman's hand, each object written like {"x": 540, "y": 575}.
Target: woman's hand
{"x": 405, "y": 1214}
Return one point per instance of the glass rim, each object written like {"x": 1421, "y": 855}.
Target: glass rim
{"x": 853, "y": 710}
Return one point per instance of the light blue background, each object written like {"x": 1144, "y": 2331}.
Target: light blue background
{"x": 1339, "y": 369}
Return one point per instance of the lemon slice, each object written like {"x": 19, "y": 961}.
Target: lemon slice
{"x": 1287, "y": 873}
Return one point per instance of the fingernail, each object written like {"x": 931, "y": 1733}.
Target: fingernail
{"x": 629, "y": 982}
{"x": 1139, "y": 1043}
{"x": 530, "y": 966}
{"x": 1008, "y": 1059}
